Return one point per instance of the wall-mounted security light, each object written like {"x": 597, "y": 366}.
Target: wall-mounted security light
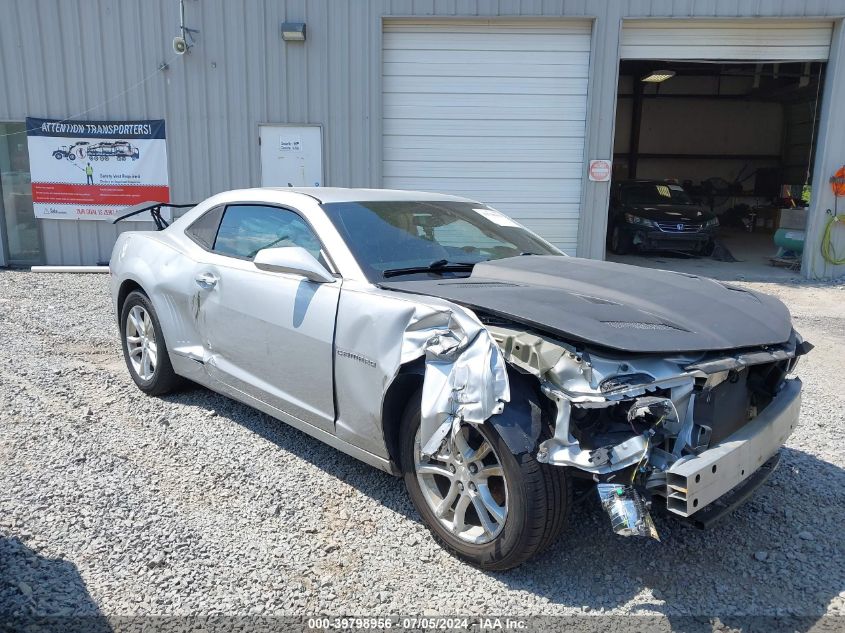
{"x": 293, "y": 31}
{"x": 656, "y": 76}
{"x": 183, "y": 42}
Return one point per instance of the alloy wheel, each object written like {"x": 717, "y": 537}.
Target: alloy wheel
{"x": 141, "y": 342}
{"x": 464, "y": 486}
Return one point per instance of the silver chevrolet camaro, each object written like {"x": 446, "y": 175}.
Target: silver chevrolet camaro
{"x": 438, "y": 339}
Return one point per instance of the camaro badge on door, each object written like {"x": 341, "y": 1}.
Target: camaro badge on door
{"x": 358, "y": 357}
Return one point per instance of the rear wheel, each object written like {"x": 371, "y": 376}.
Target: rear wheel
{"x": 143, "y": 347}
{"x": 486, "y": 505}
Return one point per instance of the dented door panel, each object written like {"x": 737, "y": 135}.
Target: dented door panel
{"x": 270, "y": 336}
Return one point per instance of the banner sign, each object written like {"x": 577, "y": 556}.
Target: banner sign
{"x": 92, "y": 170}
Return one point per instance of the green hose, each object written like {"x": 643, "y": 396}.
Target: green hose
{"x": 828, "y": 252}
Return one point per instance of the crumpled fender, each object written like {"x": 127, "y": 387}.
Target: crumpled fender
{"x": 465, "y": 374}
{"x": 378, "y": 331}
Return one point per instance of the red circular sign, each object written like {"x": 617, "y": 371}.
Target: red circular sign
{"x": 600, "y": 170}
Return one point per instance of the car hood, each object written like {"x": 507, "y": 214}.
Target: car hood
{"x": 626, "y": 308}
{"x": 670, "y": 213}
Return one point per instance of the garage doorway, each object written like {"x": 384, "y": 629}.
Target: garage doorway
{"x": 713, "y": 158}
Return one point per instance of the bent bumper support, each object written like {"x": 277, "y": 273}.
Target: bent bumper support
{"x": 696, "y": 481}
{"x": 707, "y": 517}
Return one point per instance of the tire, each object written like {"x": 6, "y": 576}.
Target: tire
{"x": 707, "y": 249}
{"x": 620, "y": 243}
{"x": 146, "y": 356}
{"x": 536, "y": 498}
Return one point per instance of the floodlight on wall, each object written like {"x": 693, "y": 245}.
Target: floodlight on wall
{"x": 293, "y": 31}
{"x": 183, "y": 42}
{"x": 656, "y": 76}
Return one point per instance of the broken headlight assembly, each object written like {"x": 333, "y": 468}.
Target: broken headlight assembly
{"x": 627, "y": 511}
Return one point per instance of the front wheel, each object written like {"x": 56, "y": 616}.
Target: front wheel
{"x": 620, "y": 242}
{"x": 486, "y": 505}
{"x": 143, "y": 347}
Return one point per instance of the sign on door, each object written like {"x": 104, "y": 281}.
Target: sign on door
{"x": 291, "y": 155}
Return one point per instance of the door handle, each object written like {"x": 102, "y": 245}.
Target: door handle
{"x": 206, "y": 281}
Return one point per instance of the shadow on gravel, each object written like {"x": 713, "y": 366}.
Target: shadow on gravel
{"x": 771, "y": 551}
{"x": 368, "y": 480}
{"x": 44, "y": 594}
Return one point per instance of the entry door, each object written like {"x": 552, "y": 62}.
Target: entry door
{"x": 291, "y": 155}
{"x": 270, "y": 336}
{"x": 491, "y": 110}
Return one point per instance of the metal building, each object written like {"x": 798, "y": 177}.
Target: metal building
{"x": 502, "y": 100}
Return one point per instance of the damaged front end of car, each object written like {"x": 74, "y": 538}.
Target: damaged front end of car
{"x": 677, "y": 430}
{"x": 681, "y": 431}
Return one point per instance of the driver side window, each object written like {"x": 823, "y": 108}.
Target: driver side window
{"x": 246, "y": 229}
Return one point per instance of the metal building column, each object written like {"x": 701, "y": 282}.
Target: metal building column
{"x": 601, "y": 124}
{"x": 830, "y": 156}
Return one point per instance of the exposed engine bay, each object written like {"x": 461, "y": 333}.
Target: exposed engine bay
{"x": 655, "y": 428}
{"x": 676, "y": 403}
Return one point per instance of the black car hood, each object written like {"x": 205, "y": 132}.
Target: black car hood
{"x": 685, "y": 213}
{"x": 621, "y": 307}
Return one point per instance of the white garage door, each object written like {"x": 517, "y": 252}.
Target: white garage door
{"x": 735, "y": 40}
{"x": 490, "y": 110}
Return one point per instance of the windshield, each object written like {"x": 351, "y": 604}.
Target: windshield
{"x": 393, "y": 236}
{"x": 654, "y": 193}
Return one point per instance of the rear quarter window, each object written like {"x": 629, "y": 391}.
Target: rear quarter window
{"x": 204, "y": 228}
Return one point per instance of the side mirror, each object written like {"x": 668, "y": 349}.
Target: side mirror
{"x": 292, "y": 259}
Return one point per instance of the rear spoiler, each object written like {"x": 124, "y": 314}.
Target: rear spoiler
{"x": 155, "y": 210}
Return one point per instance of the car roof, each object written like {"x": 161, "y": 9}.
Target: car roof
{"x": 343, "y": 194}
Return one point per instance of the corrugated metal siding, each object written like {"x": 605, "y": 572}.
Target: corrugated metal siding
{"x": 80, "y": 55}
{"x": 62, "y": 58}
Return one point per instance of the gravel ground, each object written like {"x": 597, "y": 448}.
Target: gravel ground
{"x": 112, "y": 502}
